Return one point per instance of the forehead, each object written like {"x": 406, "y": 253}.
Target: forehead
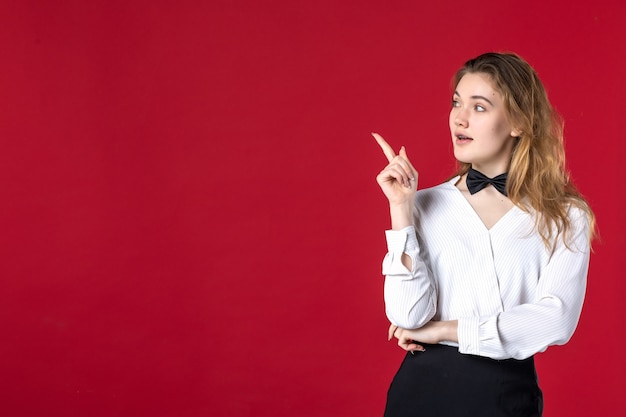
{"x": 477, "y": 84}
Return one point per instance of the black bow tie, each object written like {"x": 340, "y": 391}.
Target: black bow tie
{"x": 476, "y": 181}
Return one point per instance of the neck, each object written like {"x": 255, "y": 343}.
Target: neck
{"x": 490, "y": 172}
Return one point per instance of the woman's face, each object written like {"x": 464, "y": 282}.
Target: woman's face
{"x": 481, "y": 134}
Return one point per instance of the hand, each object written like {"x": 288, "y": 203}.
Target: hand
{"x": 399, "y": 179}
{"x": 400, "y": 333}
{"x": 432, "y": 332}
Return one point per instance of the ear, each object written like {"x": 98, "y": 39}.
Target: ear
{"x": 516, "y": 133}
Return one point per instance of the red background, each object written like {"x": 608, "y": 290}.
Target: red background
{"x": 190, "y": 224}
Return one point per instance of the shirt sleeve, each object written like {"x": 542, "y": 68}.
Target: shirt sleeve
{"x": 551, "y": 319}
{"x": 410, "y": 295}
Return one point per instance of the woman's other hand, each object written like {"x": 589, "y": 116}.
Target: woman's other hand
{"x": 432, "y": 333}
{"x": 401, "y": 334}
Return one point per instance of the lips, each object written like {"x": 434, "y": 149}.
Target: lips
{"x": 461, "y": 136}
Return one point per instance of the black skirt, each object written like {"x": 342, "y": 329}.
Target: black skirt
{"x": 441, "y": 382}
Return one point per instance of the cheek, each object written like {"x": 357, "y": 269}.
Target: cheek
{"x": 501, "y": 130}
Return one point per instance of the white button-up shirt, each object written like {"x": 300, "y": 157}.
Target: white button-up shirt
{"x": 512, "y": 296}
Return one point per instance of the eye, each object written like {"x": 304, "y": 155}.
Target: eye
{"x": 479, "y": 108}
{"x": 455, "y": 103}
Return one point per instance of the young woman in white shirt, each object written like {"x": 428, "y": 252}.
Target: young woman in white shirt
{"x": 488, "y": 268}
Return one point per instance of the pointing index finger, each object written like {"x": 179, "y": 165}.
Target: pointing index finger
{"x": 387, "y": 149}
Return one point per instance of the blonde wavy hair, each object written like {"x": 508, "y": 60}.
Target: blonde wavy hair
{"x": 537, "y": 178}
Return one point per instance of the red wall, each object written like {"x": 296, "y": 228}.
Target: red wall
{"x": 189, "y": 220}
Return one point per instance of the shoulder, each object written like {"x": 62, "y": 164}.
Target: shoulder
{"x": 581, "y": 221}
{"x": 575, "y": 234}
{"x": 437, "y": 194}
{"x": 440, "y": 191}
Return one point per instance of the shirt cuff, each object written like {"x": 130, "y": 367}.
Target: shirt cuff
{"x": 469, "y": 335}
{"x": 399, "y": 242}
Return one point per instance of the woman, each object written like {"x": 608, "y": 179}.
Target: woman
{"x": 488, "y": 268}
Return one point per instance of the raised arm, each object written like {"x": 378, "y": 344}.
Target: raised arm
{"x": 410, "y": 293}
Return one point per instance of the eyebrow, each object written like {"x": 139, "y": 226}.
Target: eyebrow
{"x": 476, "y": 97}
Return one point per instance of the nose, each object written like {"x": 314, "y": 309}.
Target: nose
{"x": 460, "y": 118}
